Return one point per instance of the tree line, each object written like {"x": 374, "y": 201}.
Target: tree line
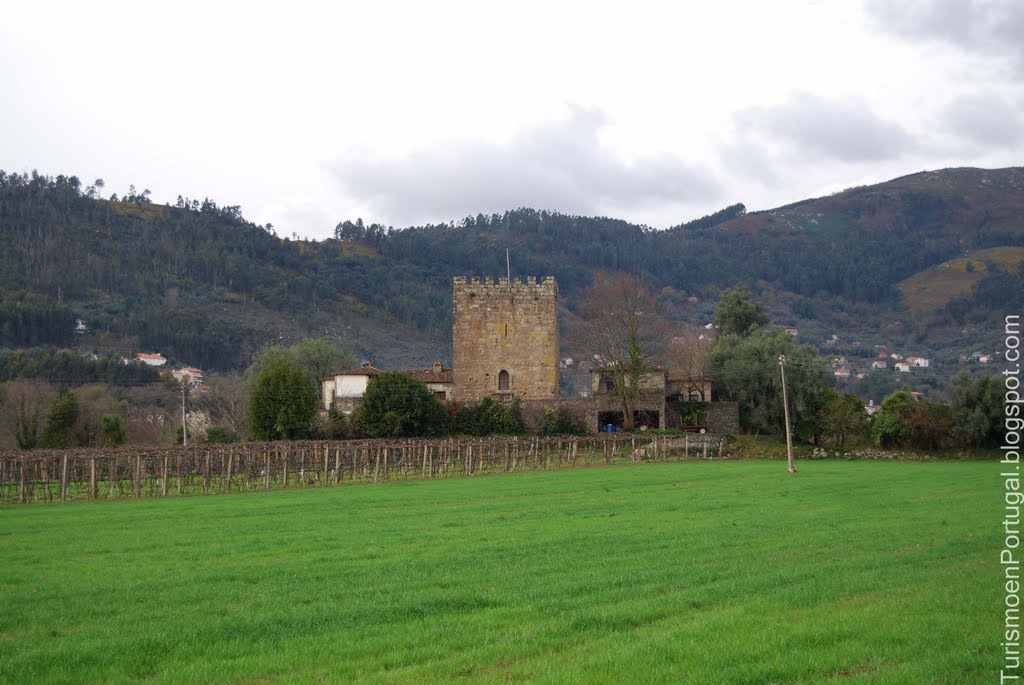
{"x": 132, "y": 264}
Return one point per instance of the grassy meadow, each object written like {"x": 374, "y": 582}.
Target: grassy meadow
{"x": 934, "y": 287}
{"x": 689, "y": 572}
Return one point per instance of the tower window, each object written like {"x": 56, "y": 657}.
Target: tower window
{"x": 503, "y": 381}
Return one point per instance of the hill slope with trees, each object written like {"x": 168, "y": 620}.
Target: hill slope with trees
{"x": 199, "y": 282}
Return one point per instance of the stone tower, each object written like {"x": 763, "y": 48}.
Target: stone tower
{"x": 505, "y": 339}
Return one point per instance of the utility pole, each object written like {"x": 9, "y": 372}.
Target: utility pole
{"x": 184, "y": 423}
{"x": 785, "y": 408}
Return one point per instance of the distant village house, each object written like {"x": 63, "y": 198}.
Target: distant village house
{"x": 151, "y": 359}
{"x": 189, "y": 374}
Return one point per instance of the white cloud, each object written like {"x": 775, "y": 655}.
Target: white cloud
{"x": 560, "y": 166}
{"x": 818, "y": 128}
{"x": 990, "y": 27}
{"x": 986, "y": 119}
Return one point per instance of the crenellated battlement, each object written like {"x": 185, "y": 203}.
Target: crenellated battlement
{"x": 546, "y": 286}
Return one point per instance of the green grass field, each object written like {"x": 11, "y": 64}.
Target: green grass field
{"x": 690, "y": 572}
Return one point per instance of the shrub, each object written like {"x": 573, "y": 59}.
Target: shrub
{"x": 488, "y": 417}
{"x": 560, "y": 422}
{"x": 396, "y": 405}
{"x": 333, "y": 425}
{"x": 220, "y": 434}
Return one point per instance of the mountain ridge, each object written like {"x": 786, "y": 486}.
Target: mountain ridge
{"x": 203, "y": 283}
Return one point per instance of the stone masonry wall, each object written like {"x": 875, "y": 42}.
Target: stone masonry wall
{"x": 724, "y": 418}
{"x": 505, "y": 326}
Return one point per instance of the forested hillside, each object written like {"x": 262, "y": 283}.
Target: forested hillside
{"x": 198, "y": 281}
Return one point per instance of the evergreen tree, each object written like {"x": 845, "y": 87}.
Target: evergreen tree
{"x": 396, "y": 405}
{"x": 977, "y": 407}
{"x": 60, "y": 424}
{"x": 283, "y": 403}
{"x": 737, "y": 315}
{"x": 113, "y": 430}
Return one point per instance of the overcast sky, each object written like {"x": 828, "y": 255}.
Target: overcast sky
{"x": 306, "y": 114}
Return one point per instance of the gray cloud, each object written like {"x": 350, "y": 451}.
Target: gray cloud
{"x": 986, "y": 119}
{"x": 821, "y": 129}
{"x": 987, "y": 27}
{"x": 558, "y": 166}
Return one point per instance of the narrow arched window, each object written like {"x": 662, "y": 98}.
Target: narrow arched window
{"x": 503, "y": 381}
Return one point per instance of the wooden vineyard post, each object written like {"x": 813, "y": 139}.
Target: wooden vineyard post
{"x": 113, "y": 468}
{"x": 23, "y": 485}
{"x": 284, "y": 458}
{"x": 206, "y": 473}
{"x": 93, "y": 489}
{"x": 327, "y": 455}
{"x": 64, "y": 479}
{"x": 138, "y": 476}
{"x": 163, "y": 477}
{"x": 266, "y": 470}
{"x": 721, "y": 444}
{"x": 387, "y": 453}
{"x": 178, "y": 467}
{"x": 686, "y": 446}
{"x": 705, "y": 448}
{"x": 243, "y": 466}
{"x": 376, "y": 466}
{"x": 231, "y": 455}
{"x": 337, "y": 465}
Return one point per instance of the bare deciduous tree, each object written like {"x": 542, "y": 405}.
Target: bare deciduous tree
{"x": 226, "y": 398}
{"x": 623, "y": 329}
{"x": 688, "y": 356}
{"x": 24, "y": 405}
